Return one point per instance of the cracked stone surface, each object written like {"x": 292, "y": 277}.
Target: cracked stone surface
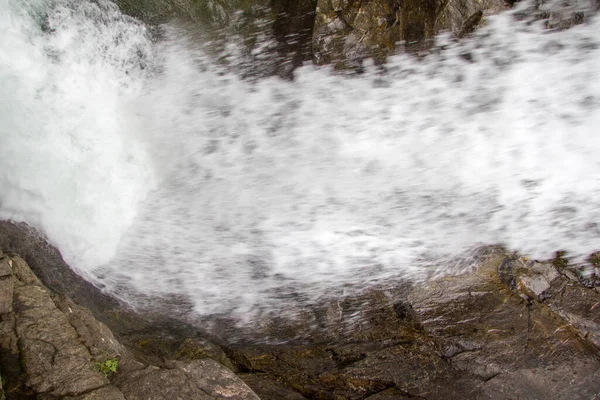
{"x": 50, "y": 348}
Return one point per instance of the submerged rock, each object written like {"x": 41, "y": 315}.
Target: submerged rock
{"x": 559, "y": 14}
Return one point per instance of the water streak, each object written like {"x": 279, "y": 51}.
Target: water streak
{"x": 157, "y": 173}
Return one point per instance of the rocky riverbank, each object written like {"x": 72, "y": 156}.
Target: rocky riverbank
{"x": 512, "y": 329}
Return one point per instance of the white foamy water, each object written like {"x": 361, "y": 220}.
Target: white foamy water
{"x": 71, "y": 161}
{"x": 183, "y": 179}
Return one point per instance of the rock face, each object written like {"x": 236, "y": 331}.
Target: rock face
{"x": 348, "y": 31}
{"x": 52, "y": 348}
{"x": 571, "y": 293}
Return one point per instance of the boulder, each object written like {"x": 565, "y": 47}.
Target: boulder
{"x": 52, "y": 359}
{"x": 199, "y": 379}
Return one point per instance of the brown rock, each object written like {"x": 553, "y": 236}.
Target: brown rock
{"x": 270, "y": 388}
{"x": 200, "y": 379}
{"x": 104, "y": 393}
{"x": 52, "y": 348}
{"x": 199, "y": 348}
{"x": 561, "y": 290}
{"x": 512, "y": 328}
{"x": 54, "y": 359}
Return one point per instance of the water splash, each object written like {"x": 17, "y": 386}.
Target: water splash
{"x": 239, "y": 195}
{"x": 71, "y": 162}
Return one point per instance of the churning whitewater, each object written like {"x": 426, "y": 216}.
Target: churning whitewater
{"x": 158, "y": 173}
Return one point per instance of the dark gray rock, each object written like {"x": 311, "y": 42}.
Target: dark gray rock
{"x": 512, "y": 328}
{"x": 270, "y": 388}
{"x": 200, "y": 348}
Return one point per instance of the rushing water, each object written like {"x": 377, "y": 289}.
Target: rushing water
{"x": 157, "y": 173}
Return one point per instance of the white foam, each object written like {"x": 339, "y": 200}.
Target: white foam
{"x": 268, "y": 192}
{"x": 70, "y": 158}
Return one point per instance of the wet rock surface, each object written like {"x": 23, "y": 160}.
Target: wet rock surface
{"x": 511, "y": 329}
{"x": 468, "y": 336}
{"x": 51, "y": 348}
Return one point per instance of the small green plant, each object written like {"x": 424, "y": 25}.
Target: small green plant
{"x": 108, "y": 367}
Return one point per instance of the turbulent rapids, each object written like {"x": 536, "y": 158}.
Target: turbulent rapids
{"x": 159, "y": 173}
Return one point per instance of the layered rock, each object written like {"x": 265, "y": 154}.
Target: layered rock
{"x": 571, "y": 293}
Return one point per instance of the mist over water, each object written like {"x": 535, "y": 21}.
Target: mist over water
{"x": 158, "y": 173}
